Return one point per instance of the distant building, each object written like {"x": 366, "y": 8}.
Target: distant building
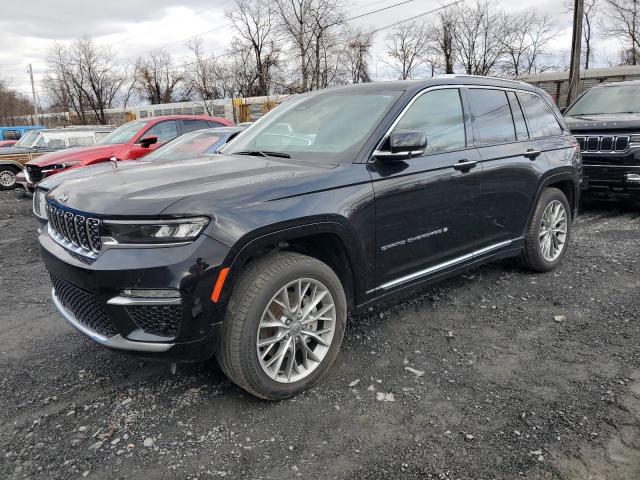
{"x": 556, "y": 84}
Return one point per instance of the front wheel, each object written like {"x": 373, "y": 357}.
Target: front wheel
{"x": 284, "y": 326}
{"x": 549, "y": 233}
{"x": 8, "y": 177}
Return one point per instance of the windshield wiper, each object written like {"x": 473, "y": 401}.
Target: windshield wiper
{"x": 263, "y": 153}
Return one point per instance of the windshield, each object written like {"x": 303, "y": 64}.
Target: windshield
{"x": 124, "y": 133}
{"x": 332, "y": 126}
{"x": 613, "y": 99}
{"x": 27, "y": 139}
{"x": 186, "y": 146}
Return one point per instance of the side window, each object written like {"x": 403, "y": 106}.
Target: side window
{"x": 193, "y": 125}
{"x": 83, "y": 141}
{"x": 165, "y": 131}
{"x": 11, "y": 135}
{"x": 493, "y": 121}
{"x": 542, "y": 122}
{"x": 518, "y": 118}
{"x": 439, "y": 114}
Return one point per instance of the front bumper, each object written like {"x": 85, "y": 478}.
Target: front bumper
{"x": 615, "y": 181}
{"x": 90, "y": 297}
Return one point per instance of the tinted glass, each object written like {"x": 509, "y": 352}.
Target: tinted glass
{"x": 11, "y": 135}
{"x": 518, "y": 118}
{"x": 610, "y": 99}
{"x": 124, "y": 133}
{"x": 329, "y": 126}
{"x": 542, "y": 122}
{"x": 165, "y": 131}
{"x": 187, "y": 146}
{"x": 493, "y": 121}
{"x": 193, "y": 125}
{"x": 439, "y": 114}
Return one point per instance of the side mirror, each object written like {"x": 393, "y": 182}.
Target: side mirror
{"x": 403, "y": 144}
{"x": 146, "y": 142}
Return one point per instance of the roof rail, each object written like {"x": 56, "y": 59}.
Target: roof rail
{"x": 466, "y": 75}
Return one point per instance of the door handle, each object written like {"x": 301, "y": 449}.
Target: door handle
{"x": 465, "y": 165}
{"x": 532, "y": 154}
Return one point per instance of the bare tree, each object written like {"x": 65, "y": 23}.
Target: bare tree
{"x": 203, "y": 74}
{"x": 83, "y": 78}
{"x": 441, "y": 39}
{"x": 525, "y": 40}
{"x": 407, "y": 47}
{"x": 358, "y": 43}
{"x": 294, "y": 24}
{"x": 156, "y": 80}
{"x": 477, "y": 38}
{"x": 254, "y": 22}
{"x": 622, "y": 22}
{"x": 12, "y": 105}
{"x": 325, "y": 16}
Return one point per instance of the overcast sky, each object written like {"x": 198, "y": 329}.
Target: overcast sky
{"x": 135, "y": 27}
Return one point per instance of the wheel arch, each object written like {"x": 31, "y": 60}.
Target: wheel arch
{"x": 567, "y": 183}
{"x": 328, "y": 241}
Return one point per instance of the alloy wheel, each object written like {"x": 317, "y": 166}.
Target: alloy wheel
{"x": 296, "y": 330}
{"x": 7, "y": 178}
{"x": 553, "y": 230}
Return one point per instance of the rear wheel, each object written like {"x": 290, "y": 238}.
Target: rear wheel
{"x": 284, "y": 326}
{"x": 549, "y": 232}
{"x": 8, "y": 177}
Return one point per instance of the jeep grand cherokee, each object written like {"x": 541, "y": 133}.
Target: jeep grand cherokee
{"x": 333, "y": 201}
{"x": 606, "y": 123}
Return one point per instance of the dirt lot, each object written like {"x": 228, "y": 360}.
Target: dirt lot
{"x": 498, "y": 387}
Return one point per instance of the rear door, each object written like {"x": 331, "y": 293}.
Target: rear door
{"x": 512, "y": 164}
{"x": 425, "y": 206}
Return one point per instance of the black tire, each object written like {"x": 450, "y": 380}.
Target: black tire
{"x": 8, "y": 172}
{"x": 236, "y": 350}
{"x": 531, "y": 256}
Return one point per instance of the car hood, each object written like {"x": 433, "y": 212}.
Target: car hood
{"x": 620, "y": 122}
{"x": 150, "y": 190}
{"x": 79, "y": 154}
{"x": 82, "y": 172}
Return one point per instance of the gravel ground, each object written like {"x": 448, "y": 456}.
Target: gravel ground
{"x": 499, "y": 373}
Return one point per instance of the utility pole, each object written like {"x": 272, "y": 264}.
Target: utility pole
{"x": 576, "y": 44}
{"x": 33, "y": 92}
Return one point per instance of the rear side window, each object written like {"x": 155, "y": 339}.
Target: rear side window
{"x": 542, "y": 122}
{"x": 193, "y": 125}
{"x": 518, "y": 118}
{"x": 165, "y": 131}
{"x": 493, "y": 121}
{"x": 11, "y": 135}
{"x": 439, "y": 114}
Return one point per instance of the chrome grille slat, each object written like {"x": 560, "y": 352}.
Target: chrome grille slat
{"x": 75, "y": 232}
{"x": 603, "y": 143}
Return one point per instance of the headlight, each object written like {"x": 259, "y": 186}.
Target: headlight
{"x": 634, "y": 139}
{"x": 155, "y": 231}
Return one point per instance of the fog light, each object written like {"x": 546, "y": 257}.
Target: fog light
{"x": 633, "y": 177}
{"x": 143, "y": 293}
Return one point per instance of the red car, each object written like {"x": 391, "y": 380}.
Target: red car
{"x": 128, "y": 142}
{"x": 7, "y": 143}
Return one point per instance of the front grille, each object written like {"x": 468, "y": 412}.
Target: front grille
{"x": 83, "y": 305}
{"x": 40, "y": 203}
{"x": 162, "y": 320}
{"x": 603, "y": 143}
{"x": 74, "y": 231}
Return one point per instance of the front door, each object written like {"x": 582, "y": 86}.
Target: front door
{"x": 425, "y": 215}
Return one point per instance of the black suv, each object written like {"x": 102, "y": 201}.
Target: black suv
{"x": 332, "y": 201}
{"x": 606, "y": 123}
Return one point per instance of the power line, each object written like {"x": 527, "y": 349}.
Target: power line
{"x": 423, "y": 14}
